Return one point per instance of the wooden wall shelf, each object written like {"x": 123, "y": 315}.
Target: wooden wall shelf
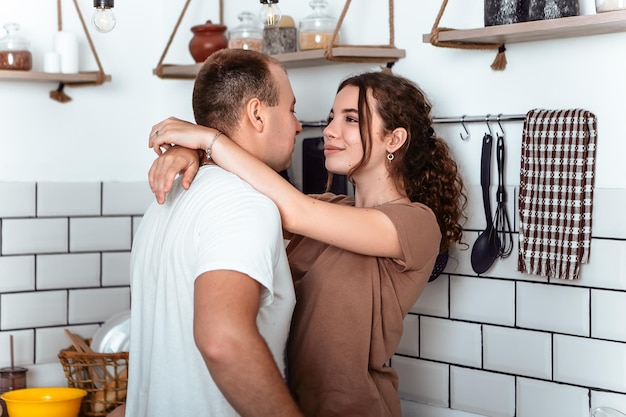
{"x": 80, "y": 78}
{"x": 302, "y": 59}
{"x": 566, "y": 27}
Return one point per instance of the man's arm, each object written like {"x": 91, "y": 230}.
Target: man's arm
{"x": 226, "y": 304}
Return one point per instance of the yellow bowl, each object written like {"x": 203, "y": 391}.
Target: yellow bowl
{"x": 44, "y": 402}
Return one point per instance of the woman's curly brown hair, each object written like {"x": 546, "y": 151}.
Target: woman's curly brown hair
{"x": 423, "y": 166}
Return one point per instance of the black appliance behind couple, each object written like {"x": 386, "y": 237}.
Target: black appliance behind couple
{"x": 314, "y": 174}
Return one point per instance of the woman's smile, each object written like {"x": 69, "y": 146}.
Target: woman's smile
{"x": 329, "y": 150}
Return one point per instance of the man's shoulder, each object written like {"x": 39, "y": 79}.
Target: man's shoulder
{"x": 217, "y": 184}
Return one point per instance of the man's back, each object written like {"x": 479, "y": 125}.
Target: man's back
{"x": 220, "y": 223}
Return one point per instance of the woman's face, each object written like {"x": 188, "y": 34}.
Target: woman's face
{"x": 342, "y": 140}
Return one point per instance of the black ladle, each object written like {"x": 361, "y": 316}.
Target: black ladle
{"x": 487, "y": 247}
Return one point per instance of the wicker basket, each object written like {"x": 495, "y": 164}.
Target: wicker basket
{"x": 103, "y": 375}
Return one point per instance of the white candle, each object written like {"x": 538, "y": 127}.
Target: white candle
{"x": 66, "y": 45}
{"x": 52, "y": 62}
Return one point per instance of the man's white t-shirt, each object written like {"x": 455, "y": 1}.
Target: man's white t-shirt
{"x": 221, "y": 222}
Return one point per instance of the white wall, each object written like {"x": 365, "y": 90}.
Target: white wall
{"x": 100, "y": 138}
{"x": 101, "y": 134}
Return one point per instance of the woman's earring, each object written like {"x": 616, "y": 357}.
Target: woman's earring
{"x": 390, "y": 156}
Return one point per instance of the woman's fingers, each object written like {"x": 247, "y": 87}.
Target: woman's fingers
{"x": 166, "y": 167}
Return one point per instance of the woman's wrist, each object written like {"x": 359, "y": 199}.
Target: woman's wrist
{"x": 205, "y": 155}
{"x": 209, "y": 149}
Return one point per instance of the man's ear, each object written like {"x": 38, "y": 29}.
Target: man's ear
{"x": 254, "y": 113}
{"x": 396, "y": 139}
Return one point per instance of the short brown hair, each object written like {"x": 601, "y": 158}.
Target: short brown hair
{"x": 227, "y": 80}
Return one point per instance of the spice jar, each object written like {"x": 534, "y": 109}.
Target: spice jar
{"x": 505, "y": 12}
{"x": 316, "y": 30}
{"x": 282, "y": 38}
{"x": 552, "y": 9}
{"x": 11, "y": 378}
{"x": 14, "y": 50}
{"x": 248, "y": 35}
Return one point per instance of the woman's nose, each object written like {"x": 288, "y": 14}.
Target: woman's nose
{"x": 329, "y": 131}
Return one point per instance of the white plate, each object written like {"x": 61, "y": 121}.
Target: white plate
{"x": 114, "y": 335}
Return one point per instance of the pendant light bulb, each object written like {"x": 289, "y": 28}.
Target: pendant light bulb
{"x": 269, "y": 13}
{"x": 103, "y": 18}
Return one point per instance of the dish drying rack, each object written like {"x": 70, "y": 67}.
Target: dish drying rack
{"x": 103, "y": 375}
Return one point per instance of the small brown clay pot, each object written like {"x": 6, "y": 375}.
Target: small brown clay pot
{"x": 207, "y": 38}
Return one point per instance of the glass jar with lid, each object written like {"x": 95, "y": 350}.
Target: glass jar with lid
{"x": 15, "y": 50}
{"x": 610, "y": 5}
{"x": 248, "y": 35}
{"x": 316, "y": 30}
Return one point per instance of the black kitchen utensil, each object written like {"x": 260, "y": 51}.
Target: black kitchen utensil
{"x": 487, "y": 247}
{"x": 503, "y": 224}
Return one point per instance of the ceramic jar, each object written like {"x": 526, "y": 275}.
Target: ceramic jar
{"x": 207, "y": 39}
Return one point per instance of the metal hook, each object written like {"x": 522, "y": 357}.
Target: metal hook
{"x": 499, "y": 124}
{"x": 488, "y": 125}
{"x": 467, "y": 133}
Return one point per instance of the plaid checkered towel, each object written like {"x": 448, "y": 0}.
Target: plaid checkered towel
{"x": 556, "y": 192}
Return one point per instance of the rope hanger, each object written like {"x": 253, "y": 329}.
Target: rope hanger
{"x": 328, "y": 50}
{"x": 58, "y": 94}
{"x": 499, "y": 62}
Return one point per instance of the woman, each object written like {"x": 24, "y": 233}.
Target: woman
{"x": 358, "y": 264}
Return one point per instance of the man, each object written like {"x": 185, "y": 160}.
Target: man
{"x": 212, "y": 295}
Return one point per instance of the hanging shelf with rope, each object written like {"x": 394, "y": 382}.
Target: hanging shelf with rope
{"x": 385, "y": 54}
{"x": 495, "y": 37}
{"x": 80, "y": 79}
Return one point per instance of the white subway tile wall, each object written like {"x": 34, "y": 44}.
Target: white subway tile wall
{"x": 17, "y": 199}
{"x": 483, "y": 393}
{"x": 68, "y": 199}
{"x": 451, "y": 341}
{"x": 125, "y": 198}
{"x": 606, "y": 308}
{"x": 17, "y": 273}
{"x": 535, "y": 308}
{"x": 73, "y": 270}
{"x": 499, "y": 344}
{"x": 33, "y": 309}
{"x": 587, "y": 362}
{"x": 64, "y": 264}
{"x": 505, "y": 343}
{"x": 115, "y": 270}
{"x": 480, "y": 300}
{"x": 28, "y": 236}
{"x": 423, "y": 381}
{"x": 517, "y": 352}
{"x": 100, "y": 233}
{"x": 98, "y": 304}
{"x": 540, "y": 398}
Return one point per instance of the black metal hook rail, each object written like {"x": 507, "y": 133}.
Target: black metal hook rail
{"x": 485, "y": 118}
{"x": 437, "y": 120}
{"x": 315, "y": 123}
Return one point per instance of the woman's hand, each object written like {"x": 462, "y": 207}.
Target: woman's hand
{"x": 177, "y": 160}
{"x": 173, "y": 131}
